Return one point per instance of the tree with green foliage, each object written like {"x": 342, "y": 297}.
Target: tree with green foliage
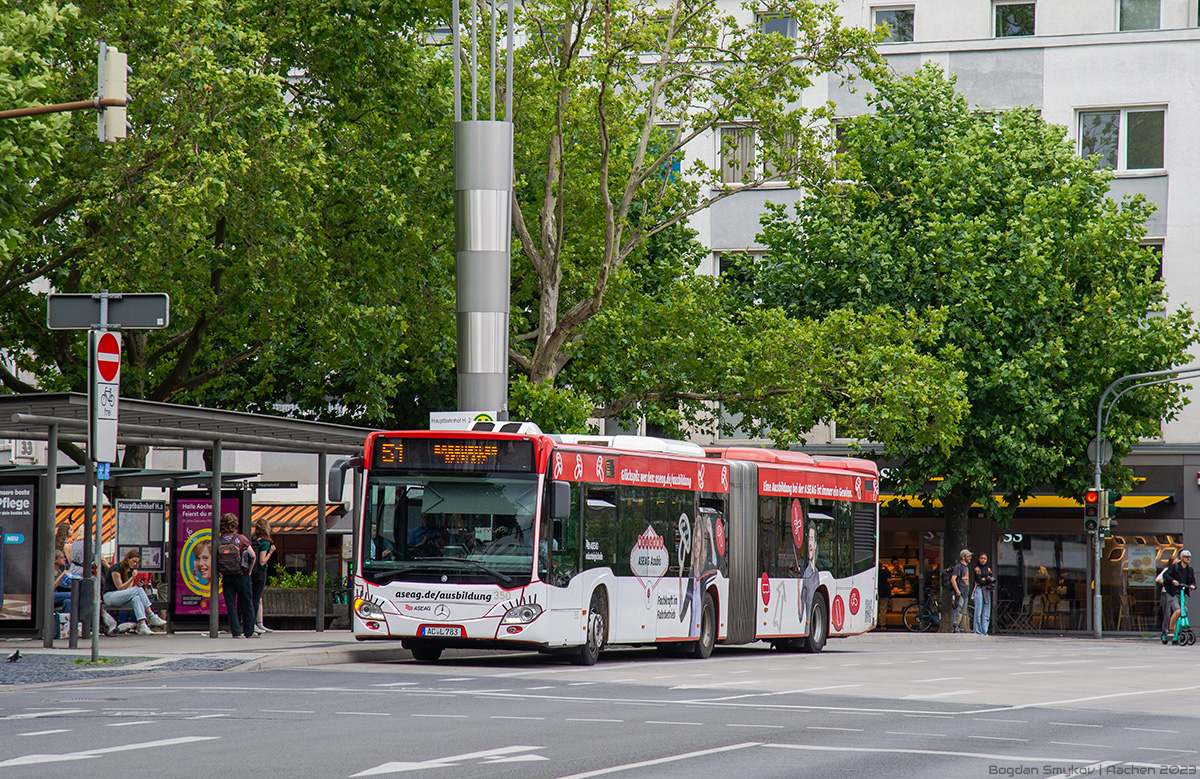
{"x": 992, "y": 222}
{"x": 28, "y": 146}
{"x": 286, "y": 181}
{"x": 608, "y": 97}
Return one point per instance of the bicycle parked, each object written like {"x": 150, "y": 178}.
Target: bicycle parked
{"x": 923, "y": 617}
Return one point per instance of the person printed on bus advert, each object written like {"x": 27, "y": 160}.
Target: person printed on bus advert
{"x": 121, "y": 592}
{"x": 982, "y": 594}
{"x": 960, "y": 581}
{"x": 1178, "y": 582}
{"x": 1164, "y": 603}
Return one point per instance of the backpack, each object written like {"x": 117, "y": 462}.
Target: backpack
{"x": 229, "y": 555}
{"x": 947, "y": 578}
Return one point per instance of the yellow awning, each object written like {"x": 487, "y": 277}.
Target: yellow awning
{"x": 1135, "y": 501}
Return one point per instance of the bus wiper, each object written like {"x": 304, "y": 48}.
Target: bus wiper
{"x": 501, "y": 576}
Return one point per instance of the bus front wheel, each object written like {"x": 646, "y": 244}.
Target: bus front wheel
{"x": 597, "y": 625}
{"x": 818, "y": 627}
{"x": 425, "y": 653}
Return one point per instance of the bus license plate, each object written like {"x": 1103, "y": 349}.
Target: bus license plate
{"x": 442, "y": 631}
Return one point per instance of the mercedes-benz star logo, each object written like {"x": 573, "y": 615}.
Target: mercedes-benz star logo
{"x": 442, "y": 611}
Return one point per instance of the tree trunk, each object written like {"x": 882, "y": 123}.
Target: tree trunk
{"x": 954, "y": 539}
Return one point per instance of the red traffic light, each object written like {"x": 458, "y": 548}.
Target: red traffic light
{"x": 1091, "y": 497}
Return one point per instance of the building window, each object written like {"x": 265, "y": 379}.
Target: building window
{"x": 1139, "y": 14}
{"x": 780, "y": 24}
{"x": 898, "y": 21}
{"x": 737, "y": 154}
{"x": 1014, "y": 19}
{"x": 1124, "y": 139}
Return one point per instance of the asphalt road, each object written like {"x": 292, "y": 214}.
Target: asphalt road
{"x": 1008, "y": 707}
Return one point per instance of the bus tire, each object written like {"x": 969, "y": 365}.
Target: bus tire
{"x": 703, "y": 646}
{"x": 597, "y": 630}
{"x": 426, "y": 653}
{"x": 818, "y": 627}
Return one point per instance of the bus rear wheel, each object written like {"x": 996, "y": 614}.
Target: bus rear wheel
{"x": 597, "y": 627}
{"x": 708, "y": 629}
{"x": 818, "y": 627}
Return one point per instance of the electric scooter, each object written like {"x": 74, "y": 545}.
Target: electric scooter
{"x": 1183, "y": 631}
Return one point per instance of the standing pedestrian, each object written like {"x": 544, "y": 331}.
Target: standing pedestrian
{"x": 982, "y": 594}
{"x": 260, "y": 537}
{"x": 235, "y": 562}
{"x": 1164, "y": 603}
{"x": 960, "y": 582}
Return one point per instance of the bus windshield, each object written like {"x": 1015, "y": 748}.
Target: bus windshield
{"x": 448, "y": 528}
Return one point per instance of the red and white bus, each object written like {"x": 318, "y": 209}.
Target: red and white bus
{"x": 512, "y": 539}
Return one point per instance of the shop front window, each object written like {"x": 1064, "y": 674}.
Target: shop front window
{"x": 1042, "y": 582}
{"x": 909, "y": 563}
{"x": 1129, "y": 564}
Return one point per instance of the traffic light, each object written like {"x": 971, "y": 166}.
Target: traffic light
{"x": 1091, "y": 511}
{"x": 112, "y": 83}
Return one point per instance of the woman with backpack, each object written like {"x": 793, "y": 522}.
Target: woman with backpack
{"x": 260, "y": 537}
{"x": 235, "y": 561}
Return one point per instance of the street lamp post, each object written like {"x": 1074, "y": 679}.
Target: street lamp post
{"x": 1156, "y": 377}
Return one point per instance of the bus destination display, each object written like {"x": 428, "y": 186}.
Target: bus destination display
{"x": 438, "y": 454}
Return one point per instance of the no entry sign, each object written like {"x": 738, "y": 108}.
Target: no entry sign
{"x": 108, "y": 357}
{"x": 105, "y": 354}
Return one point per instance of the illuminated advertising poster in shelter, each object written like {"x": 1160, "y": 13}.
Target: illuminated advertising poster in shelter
{"x": 17, "y": 508}
{"x": 140, "y": 526}
{"x": 195, "y": 560}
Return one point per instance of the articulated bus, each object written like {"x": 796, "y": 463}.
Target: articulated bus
{"x": 510, "y": 539}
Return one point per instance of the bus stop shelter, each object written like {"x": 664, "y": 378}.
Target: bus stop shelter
{"x": 62, "y": 417}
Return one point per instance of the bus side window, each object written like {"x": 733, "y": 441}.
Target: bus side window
{"x": 821, "y": 515}
{"x": 566, "y": 554}
{"x": 599, "y": 526}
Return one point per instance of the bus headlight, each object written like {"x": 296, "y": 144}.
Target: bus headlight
{"x": 365, "y": 609}
{"x": 522, "y": 615}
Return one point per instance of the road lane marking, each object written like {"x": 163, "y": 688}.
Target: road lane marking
{"x": 51, "y": 713}
{"x": 739, "y": 725}
{"x": 782, "y": 692}
{"x": 442, "y": 716}
{"x": 661, "y": 760}
{"x": 1031, "y": 673}
{"x": 286, "y": 711}
{"x": 1125, "y": 667}
{"x": 823, "y": 727}
{"x": 101, "y": 751}
{"x": 45, "y": 732}
{"x": 207, "y": 716}
{"x": 1153, "y": 730}
{"x": 938, "y": 695}
{"x": 930, "y": 716}
{"x": 991, "y": 719}
{"x": 1168, "y": 749}
{"x": 582, "y": 719}
{"x": 905, "y": 733}
{"x": 1075, "y": 725}
{"x": 939, "y": 753}
{"x": 501, "y": 755}
{"x": 938, "y": 679}
{"x": 668, "y": 722}
{"x": 126, "y": 724}
{"x": 1076, "y": 744}
{"x": 998, "y": 738}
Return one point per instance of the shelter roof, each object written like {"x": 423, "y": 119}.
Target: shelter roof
{"x": 150, "y": 423}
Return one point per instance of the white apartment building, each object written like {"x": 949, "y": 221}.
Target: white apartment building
{"x": 1123, "y": 76}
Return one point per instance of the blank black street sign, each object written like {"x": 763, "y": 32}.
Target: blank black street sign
{"x": 136, "y": 310}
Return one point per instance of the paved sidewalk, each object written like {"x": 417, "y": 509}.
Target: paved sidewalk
{"x": 127, "y": 654}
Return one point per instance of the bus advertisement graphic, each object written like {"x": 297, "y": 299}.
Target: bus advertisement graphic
{"x": 16, "y": 551}
{"x": 194, "y": 553}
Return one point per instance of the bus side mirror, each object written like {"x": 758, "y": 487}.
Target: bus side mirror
{"x": 337, "y": 477}
{"x": 561, "y": 508}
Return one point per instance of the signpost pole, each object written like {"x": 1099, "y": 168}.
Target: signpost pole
{"x": 49, "y": 526}
{"x": 322, "y": 476}
{"x": 214, "y": 608}
{"x": 99, "y": 566}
